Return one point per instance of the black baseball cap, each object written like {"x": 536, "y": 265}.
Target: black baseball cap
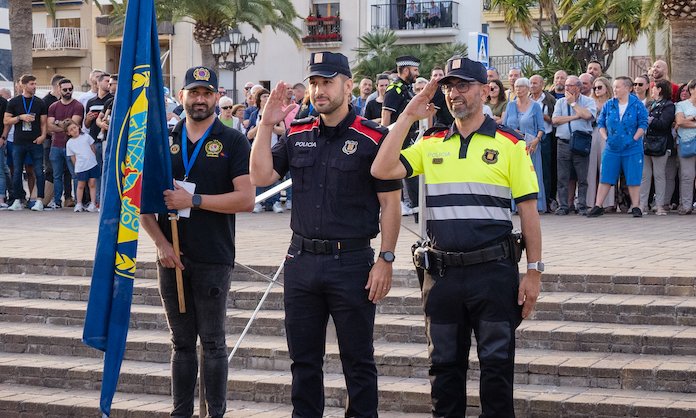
{"x": 328, "y": 64}
{"x": 464, "y": 69}
{"x": 201, "y": 77}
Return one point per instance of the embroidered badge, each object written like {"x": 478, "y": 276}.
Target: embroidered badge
{"x": 318, "y": 58}
{"x": 174, "y": 148}
{"x": 490, "y": 156}
{"x": 201, "y": 73}
{"x": 350, "y": 147}
{"x": 213, "y": 148}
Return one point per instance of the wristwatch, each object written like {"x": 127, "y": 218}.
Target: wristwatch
{"x": 538, "y": 266}
{"x": 196, "y": 200}
{"x": 387, "y": 256}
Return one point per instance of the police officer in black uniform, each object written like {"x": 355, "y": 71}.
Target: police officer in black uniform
{"x": 330, "y": 268}
{"x": 472, "y": 171}
{"x": 398, "y": 95}
{"x": 214, "y": 160}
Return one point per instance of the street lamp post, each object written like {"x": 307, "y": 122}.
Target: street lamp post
{"x": 236, "y": 52}
{"x": 589, "y": 43}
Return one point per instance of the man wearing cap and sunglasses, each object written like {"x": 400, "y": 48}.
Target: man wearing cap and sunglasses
{"x": 472, "y": 170}
{"x": 213, "y": 160}
{"x": 330, "y": 268}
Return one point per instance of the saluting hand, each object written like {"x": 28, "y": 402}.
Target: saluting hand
{"x": 274, "y": 113}
{"x": 421, "y": 106}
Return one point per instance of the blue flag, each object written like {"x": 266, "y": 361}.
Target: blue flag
{"x": 137, "y": 165}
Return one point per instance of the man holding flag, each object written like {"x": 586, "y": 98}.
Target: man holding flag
{"x": 210, "y": 163}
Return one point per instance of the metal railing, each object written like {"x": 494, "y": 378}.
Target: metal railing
{"x": 60, "y": 38}
{"x": 106, "y": 27}
{"x": 503, "y": 63}
{"x": 321, "y": 29}
{"x": 425, "y": 15}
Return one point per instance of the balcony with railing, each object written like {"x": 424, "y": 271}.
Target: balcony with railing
{"x": 60, "y": 42}
{"x": 416, "y": 19}
{"x": 108, "y": 27}
{"x": 322, "y": 32}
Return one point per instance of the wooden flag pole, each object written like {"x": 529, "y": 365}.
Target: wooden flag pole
{"x": 173, "y": 218}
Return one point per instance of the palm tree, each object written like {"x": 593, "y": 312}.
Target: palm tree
{"x": 681, "y": 15}
{"x": 20, "y": 36}
{"x": 214, "y": 18}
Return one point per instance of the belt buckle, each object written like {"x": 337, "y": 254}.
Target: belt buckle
{"x": 318, "y": 246}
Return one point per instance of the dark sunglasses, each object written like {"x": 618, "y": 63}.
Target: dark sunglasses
{"x": 597, "y": 87}
{"x": 227, "y": 107}
{"x": 67, "y": 90}
{"x": 638, "y": 84}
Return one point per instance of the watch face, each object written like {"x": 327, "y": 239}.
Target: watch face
{"x": 388, "y": 256}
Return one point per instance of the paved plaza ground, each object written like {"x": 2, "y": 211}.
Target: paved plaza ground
{"x": 614, "y": 244}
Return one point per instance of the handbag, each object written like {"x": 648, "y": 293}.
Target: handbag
{"x": 687, "y": 148}
{"x": 580, "y": 142}
{"x": 655, "y": 145}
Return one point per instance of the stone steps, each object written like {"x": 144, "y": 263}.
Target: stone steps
{"x": 532, "y": 366}
{"x": 560, "y": 306}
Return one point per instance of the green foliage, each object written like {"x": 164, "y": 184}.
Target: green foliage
{"x": 378, "y": 52}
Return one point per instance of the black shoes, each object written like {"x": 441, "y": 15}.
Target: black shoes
{"x": 596, "y": 211}
{"x": 636, "y": 212}
{"x": 562, "y": 211}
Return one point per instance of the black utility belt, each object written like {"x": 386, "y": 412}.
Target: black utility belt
{"x": 321, "y": 246}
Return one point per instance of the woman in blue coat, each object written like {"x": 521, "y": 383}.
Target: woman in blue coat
{"x": 525, "y": 116}
{"x": 622, "y": 123}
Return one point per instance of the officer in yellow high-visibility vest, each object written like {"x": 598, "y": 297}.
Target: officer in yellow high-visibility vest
{"x": 473, "y": 169}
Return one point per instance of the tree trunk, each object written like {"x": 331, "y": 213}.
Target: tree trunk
{"x": 683, "y": 50}
{"x": 207, "y": 56}
{"x": 20, "y": 37}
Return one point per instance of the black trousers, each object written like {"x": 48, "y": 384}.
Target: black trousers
{"x": 317, "y": 286}
{"x": 481, "y": 298}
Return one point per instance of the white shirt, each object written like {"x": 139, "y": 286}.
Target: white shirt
{"x": 544, "y": 110}
{"x": 622, "y": 109}
{"x": 81, "y": 148}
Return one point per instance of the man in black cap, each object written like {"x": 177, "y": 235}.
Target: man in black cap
{"x": 330, "y": 268}
{"x": 398, "y": 94}
{"x": 472, "y": 169}
{"x": 210, "y": 165}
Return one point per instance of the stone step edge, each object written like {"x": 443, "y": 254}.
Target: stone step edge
{"x": 53, "y": 265}
{"x": 547, "y": 400}
{"x": 540, "y": 363}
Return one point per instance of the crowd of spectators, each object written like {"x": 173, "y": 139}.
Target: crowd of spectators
{"x": 598, "y": 143}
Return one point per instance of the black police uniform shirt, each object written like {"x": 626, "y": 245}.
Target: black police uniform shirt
{"x": 207, "y": 236}
{"x": 397, "y": 96}
{"x": 19, "y": 105}
{"x": 334, "y": 194}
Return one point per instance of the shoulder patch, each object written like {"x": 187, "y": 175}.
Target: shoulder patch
{"x": 508, "y": 133}
{"x": 369, "y": 129}
{"x": 435, "y": 130}
{"x": 303, "y": 125}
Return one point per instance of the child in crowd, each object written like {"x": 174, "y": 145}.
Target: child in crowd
{"x": 80, "y": 148}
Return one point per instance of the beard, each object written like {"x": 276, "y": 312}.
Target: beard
{"x": 66, "y": 96}
{"x": 197, "y": 112}
{"x": 463, "y": 109}
{"x": 330, "y": 106}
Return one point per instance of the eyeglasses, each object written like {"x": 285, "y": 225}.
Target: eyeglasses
{"x": 460, "y": 87}
{"x": 227, "y": 107}
{"x": 638, "y": 84}
{"x": 67, "y": 90}
{"x": 597, "y": 87}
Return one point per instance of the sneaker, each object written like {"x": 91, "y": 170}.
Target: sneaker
{"x": 582, "y": 212}
{"x": 3, "y": 206}
{"x": 288, "y": 205}
{"x": 661, "y": 212}
{"x": 92, "y": 207}
{"x": 38, "y": 206}
{"x": 562, "y": 211}
{"x": 69, "y": 202}
{"x": 405, "y": 210}
{"x": 636, "y": 212}
{"x": 595, "y": 212}
{"x": 78, "y": 208}
{"x": 258, "y": 208}
{"x": 682, "y": 211}
{"x": 53, "y": 206}
{"x": 552, "y": 205}
{"x": 278, "y": 207}
{"x": 16, "y": 205}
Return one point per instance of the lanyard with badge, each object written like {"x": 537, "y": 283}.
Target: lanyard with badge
{"x": 26, "y": 126}
{"x": 189, "y": 162}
